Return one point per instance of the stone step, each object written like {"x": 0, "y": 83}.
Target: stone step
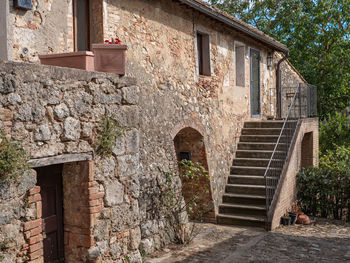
{"x": 254, "y": 221}
{"x": 260, "y": 146}
{"x": 259, "y": 154}
{"x": 239, "y": 209}
{"x": 246, "y": 179}
{"x": 257, "y": 162}
{"x": 248, "y": 170}
{"x": 244, "y": 199}
{"x": 261, "y": 138}
{"x": 261, "y": 131}
{"x": 245, "y": 189}
{"x": 266, "y": 124}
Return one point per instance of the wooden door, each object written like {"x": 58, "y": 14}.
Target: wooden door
{"x": 255, "y": 83}
{"x": 50, "y": 182}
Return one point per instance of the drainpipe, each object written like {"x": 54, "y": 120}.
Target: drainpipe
{"x": 279, "y": 85}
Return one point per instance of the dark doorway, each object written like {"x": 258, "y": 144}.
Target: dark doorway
{"x": 50, "y": 182}
{"x": 81, "y": 22}
{"x": 255, "y": 83}
{"x": 307, "y": 157}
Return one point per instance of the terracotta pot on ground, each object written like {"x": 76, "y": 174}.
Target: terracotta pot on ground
{"x": 80, "y": 60}
{"x": 110, "y": 58}
{"x": 303, "y": 219}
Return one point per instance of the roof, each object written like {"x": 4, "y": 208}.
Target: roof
{"x": 235, "y": 23}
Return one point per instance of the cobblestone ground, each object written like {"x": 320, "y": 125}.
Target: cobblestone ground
{"x": 322, "y": 241}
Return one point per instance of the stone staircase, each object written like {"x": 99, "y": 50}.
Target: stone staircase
{"x": 244, "y": 202}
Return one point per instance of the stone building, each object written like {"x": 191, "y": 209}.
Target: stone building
{"x": 199, "y": 84}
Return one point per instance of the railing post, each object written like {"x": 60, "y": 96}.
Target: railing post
{"x": 299, "y": 94}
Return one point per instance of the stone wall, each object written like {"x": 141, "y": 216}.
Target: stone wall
{"x": 47, "y": 28}
{"x": 55, "y": 113}
{"x": 290, "y": 78}
{"x": 161, "y": 39}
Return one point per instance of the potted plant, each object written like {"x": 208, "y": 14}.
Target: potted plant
{"x": 294, "y": 213}
{"x": 110, "y": 56}
{"x": 286, "y": 220}
{"x": 81, "y": 60}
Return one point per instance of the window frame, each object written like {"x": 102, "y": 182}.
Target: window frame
{"x": 203, "y": 53}
{"x": 75, "y": 25}
{"x": 243, "y": 81}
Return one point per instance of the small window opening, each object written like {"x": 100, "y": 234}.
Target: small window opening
{"x": 185, "y": 156}
{"x": 240, "y": 65}
{"x": 81, "y": 21}
{"x": 203, "y": 54}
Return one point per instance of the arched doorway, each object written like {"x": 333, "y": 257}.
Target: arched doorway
{"x": 307, "y": 158}
{"x": 189, "y": 145}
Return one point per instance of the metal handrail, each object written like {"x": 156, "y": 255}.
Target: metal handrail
{"x": 269, "y": 188}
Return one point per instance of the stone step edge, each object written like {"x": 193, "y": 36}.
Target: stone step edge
{"x": 247, "y": 196}
{"x": 246, "y": 218}
{"x": 251, "y": 207}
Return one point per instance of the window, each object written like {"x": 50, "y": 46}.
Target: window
{"x": 240, "y": 64}
{"x": 185, "y": 156}
{"x": 81, "y": 25}
{"x": 203, "y": 53}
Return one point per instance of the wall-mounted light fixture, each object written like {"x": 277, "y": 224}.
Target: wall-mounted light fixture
{"x": 23, "y": 4}
{"x": 269, "y": 61}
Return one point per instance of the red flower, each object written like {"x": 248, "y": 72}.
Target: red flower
{"x": 114, "y": 41}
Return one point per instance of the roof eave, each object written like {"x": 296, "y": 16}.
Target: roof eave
{"x": 204, "y": 9}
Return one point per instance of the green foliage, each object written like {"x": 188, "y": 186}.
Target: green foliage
{"x": 13, "y": 159}
{"x": 318, "y": 36}
{"x": 195, "y": 180}
{"x": 334, "y": 131}
{"x": 143, "y": 254}
{"x": 176, "y": 207}
{"x": 108, "y": 132}
{"x": 3, "y": 247}
{"x": 325, "y": 191}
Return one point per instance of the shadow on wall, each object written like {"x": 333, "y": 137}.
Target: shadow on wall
{"x": 189, "y": 145}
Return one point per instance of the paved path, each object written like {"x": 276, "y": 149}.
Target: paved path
{"x": 323, "y": 241}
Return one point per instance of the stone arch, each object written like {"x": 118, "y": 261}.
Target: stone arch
{"x": 189, "y": 144}
{"x": 307, "y": 158}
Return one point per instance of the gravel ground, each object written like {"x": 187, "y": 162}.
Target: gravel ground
{"x": 322, "y": 241}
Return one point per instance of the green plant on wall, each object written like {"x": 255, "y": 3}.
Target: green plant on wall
{"x": 176, "y": 208}
{"x": 13, "y": 159}
{"x": 108, "y": 132}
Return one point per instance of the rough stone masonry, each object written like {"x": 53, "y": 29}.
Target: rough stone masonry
{"x": 55, "y": 112}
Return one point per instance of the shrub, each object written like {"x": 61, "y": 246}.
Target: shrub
{"x": 325, "y": 191}
{"x": 335, "y": 131}
{"x": 13, "y": 159}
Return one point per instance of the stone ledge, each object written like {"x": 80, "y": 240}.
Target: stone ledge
{"x": 31, "y": 72}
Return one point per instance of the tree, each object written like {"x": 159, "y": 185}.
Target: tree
{"x": 317, "y": 33}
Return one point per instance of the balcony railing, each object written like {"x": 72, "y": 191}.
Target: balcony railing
{"x": 301, "y": 102}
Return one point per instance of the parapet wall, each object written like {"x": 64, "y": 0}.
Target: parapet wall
{"x": 55, "y": 113}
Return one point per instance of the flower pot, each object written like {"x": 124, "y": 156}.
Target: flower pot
{"x": 293, "y": 218}
{"x": 80, "y": 60}
{"x": 110, "y": 58}
{"x": 285, "y": 220}
{"x": 303, "y": 219}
